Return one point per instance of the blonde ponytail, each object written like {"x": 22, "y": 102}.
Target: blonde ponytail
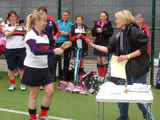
{"x": 29, "y": 22}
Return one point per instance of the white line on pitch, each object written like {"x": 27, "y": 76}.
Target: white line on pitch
{"x": 26, "y": 113}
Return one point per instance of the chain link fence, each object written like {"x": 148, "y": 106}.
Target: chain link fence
{"x": 90, "y": 10}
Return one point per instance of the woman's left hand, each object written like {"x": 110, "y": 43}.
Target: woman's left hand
{"x": 122, "y": 58}
{"x": 58, "y": 51}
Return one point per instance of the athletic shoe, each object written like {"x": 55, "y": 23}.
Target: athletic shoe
{"x": 100, "y": 79}
{"x": 41, "y": 88}
{"x": 11, "y": 87}
{"x": 22, "y": 87}
{"x": 44, "y": 118}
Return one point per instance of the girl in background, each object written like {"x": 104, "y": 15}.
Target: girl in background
{"x": 78, "y": 35}
{"x": 102, "y": 30}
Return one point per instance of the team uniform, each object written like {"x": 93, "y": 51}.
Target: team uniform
{"x": 79, "y": 42}
{"x": 15, "y": 47}
{"x": 75, "y": 30}
{"x": 36, "y": 72}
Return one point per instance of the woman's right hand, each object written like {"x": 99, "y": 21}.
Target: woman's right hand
{"x": 16, "y": 26}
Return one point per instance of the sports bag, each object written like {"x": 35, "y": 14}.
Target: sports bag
{"x": 89, "y": 82}
{"x": 2, "y": 45}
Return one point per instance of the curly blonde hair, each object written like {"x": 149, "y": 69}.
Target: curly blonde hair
{"x": 126, "y": 16}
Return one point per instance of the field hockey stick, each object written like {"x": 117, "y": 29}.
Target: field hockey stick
{"x": 77, "y": 63}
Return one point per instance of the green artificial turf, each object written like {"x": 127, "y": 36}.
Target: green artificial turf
{"x": 65, "y": 104}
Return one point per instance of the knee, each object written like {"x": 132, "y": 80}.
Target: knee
{"x": 49, "y": 92}
{"x": 33, "y": 96}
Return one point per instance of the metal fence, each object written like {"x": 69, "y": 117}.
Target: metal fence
{"x": 90, "y": 9}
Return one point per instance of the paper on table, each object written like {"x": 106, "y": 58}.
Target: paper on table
{"x": 138, "y": 87}
{"x": 118, "y": 69}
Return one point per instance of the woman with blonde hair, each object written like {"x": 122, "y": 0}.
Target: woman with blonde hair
{"x": 36, "y": 72}
{"x": 130, "y": 44}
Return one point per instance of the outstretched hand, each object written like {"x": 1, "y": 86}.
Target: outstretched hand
{"x": 66, "y": 44}
{"x": 89, "y": 42}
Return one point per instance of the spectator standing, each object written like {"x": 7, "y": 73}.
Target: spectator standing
{"x": 36, "y": 72}
{"x": 15, "y": 47}
{"x": 64, "y": 28}
{"x": 52, "y": 32}
{"x": 140, "y": 21}
{"x": 102, "y": 30}
{"x": 130, "y": 44}
{"x": 78, "y": 36}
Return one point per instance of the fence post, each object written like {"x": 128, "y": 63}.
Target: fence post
{"x": 152, "y": 41}
{"x": 60, "y": 59}
{"x": 59, "y": 9}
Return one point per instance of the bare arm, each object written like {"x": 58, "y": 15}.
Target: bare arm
{"x": 9, "y": 33}
{"x": 65, "y": 45}
{"x": 98, "y": 47}
{"x": 101, "y": 48}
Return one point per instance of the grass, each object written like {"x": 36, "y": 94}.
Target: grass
{"x": 65, "y": 104}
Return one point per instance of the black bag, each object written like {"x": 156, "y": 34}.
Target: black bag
{"x": 89, "y": 82}
{"x": 92, "y": 83}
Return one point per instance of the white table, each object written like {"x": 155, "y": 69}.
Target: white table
{"x": 104, "y": 95}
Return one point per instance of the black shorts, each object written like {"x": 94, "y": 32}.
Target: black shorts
{"x": 15, "y": 58}
{"x": 99, "y": 53}
{"x": 36, "y": 76}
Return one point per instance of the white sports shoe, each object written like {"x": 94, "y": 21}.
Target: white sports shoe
{"x": 22, "y": 87}
{"x": 12, "y": 87}
{"x": 100, "y": 79}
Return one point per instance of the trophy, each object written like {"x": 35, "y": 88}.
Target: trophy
{"x": 88, "y": 33}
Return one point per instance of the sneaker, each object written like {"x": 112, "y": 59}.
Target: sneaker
{"x": 11, "y": 87}
{"x": 22, "y": 87}
{"x": 100, "y": 79}
{"x": 43, "y": 118}
{"x": 41, "y": 88}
